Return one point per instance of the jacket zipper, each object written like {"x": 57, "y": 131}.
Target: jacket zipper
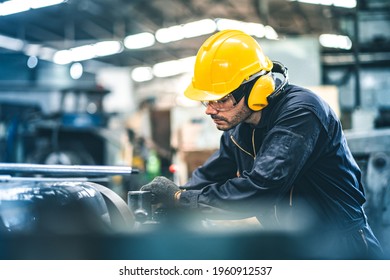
{"x": 291, "y": 195}
{"x": 363, "y": 237}
{"x": 242, "y": 149}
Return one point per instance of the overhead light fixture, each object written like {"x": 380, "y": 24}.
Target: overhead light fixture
{"x": 139, "y": 41}
{"x": 169, "y": 34}
{"x": 106, "y": 48}
{"x": 338, "y": 3}
{"x": 174, "y": 67}
{"x": 199, "y": 28}
{"x": 36, "y": 4}
{"x": 32, "y": 62}
{"x": 142, "y": 74}
{"x": 254, "y": 29}
{"x": 14, "y": 7}
{"x": 11, "y": 43}
{"x": 163, "y": 69}
{"x": 76, "y": 70}
{"x": 46, "y": 53}
{"x": 17, "y": 6}
{"x": 86, "y": 52}
{"x": 335, "y": 41}
{"x": 167, "y": 69}
{"x": 270, "y": 33}
{"x": 188, "y": 30}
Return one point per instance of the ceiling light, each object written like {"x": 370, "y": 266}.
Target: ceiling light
{"x": 254, "y": 29}
{"x": 224, "y": 24}
{"x": 174, "y": 67}
{"x": 188, "y": 30}
{"x": 270, "y": 33}
{"x": 82, "y": 53}
{"x": 62, "y": 57}
{"x": 167, "y": 68}
{"x": 87, "y": 52}
{"x": 335, "y": 41}
{"x": 32, "y": 49}
{"x": 76, "y": 70}
{"x": 170, "y": 34}
{"x": 46, "y": 53}
{"x": 18, "y": 6}
{"x": 199, "y": 28}
{"x": 36, "y": 4}
{"x": 337, "y": 3}
{"x": 32, "y": 62}
{"x": 13, "y": 7}
{"x": 11, "y": 43}
{"x": 105, "y": 48}
{"x": 142, "y": 74}
{"x": 139, "y": 41}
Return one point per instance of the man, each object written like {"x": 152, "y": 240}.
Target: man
{"x": 283, "y": 157}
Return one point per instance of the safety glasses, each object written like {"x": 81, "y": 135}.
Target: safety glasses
{"x": 230, "y": 101}
{"x": 222, "y": 105}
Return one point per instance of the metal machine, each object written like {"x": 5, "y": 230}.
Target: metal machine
{"x": 371, "y": 149}
{"x": 58, "y": 199}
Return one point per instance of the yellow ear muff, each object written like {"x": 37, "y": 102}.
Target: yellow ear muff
{"x": 264, "y": 86}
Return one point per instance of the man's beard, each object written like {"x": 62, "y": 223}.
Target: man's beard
{"x": 238, "y": 118}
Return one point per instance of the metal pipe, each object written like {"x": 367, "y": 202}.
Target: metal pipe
{"x": 356, "y": 49}
{"x": 66, "y": 170}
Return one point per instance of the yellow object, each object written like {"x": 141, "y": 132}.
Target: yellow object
{"x": 264, "y": 86}
{"x": 226, "y": 60}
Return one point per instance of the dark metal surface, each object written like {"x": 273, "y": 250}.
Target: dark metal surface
{"x": 61, "y": 207}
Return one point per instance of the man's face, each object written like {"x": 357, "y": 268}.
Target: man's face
{"x": 225, "y": 120}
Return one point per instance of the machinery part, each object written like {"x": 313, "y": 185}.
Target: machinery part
{"x": 65, "y": 170}
{"x": 140, "y": 203}
{"x": 50, "y": 193}
{"x": 371, "y": 150}
{"x": 122, "y": 219}
{"x": 378, "y": 194}
{"x": 62, "y": 207}
{"x": 56, "y": 207}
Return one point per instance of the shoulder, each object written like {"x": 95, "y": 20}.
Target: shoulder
{"x": 303, "y": 98}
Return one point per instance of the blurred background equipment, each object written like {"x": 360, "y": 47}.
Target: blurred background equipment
{"x": 372, "y": 152}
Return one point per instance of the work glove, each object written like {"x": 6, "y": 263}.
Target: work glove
{"x": 164, "y": 191}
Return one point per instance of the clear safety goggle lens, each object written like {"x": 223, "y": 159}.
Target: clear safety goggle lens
{"x": 222, "y": 105}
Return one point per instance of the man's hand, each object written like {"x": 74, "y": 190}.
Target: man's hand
{"x": 164, "y": 191}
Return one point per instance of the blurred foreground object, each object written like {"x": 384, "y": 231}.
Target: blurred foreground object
{"x": 41, "y": 203}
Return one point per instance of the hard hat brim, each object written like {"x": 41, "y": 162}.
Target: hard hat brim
{"x": 202, "y": 95}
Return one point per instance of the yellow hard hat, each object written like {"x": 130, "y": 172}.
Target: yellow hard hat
{"x": 223, "y": 63}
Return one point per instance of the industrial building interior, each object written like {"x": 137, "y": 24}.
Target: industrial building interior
{"x": 92, "y": 83}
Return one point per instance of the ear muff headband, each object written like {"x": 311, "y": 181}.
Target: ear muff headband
{"x": 263, "y": 91}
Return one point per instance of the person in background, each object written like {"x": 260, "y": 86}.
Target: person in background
{"x": 283, "y": 157}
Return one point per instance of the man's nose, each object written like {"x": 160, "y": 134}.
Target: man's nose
{"x": 210, "y": 110}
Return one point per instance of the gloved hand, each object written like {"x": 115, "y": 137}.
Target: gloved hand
{"x": 164, "y": 190}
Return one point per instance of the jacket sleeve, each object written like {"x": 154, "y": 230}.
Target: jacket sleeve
{"x": 282, "y": 155}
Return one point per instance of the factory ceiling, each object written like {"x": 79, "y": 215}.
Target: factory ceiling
{"x": 79, "y": 22}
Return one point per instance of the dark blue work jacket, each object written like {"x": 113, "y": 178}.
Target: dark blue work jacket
{"x": 292, "y": 171}
{"x": 296, "y": 159}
